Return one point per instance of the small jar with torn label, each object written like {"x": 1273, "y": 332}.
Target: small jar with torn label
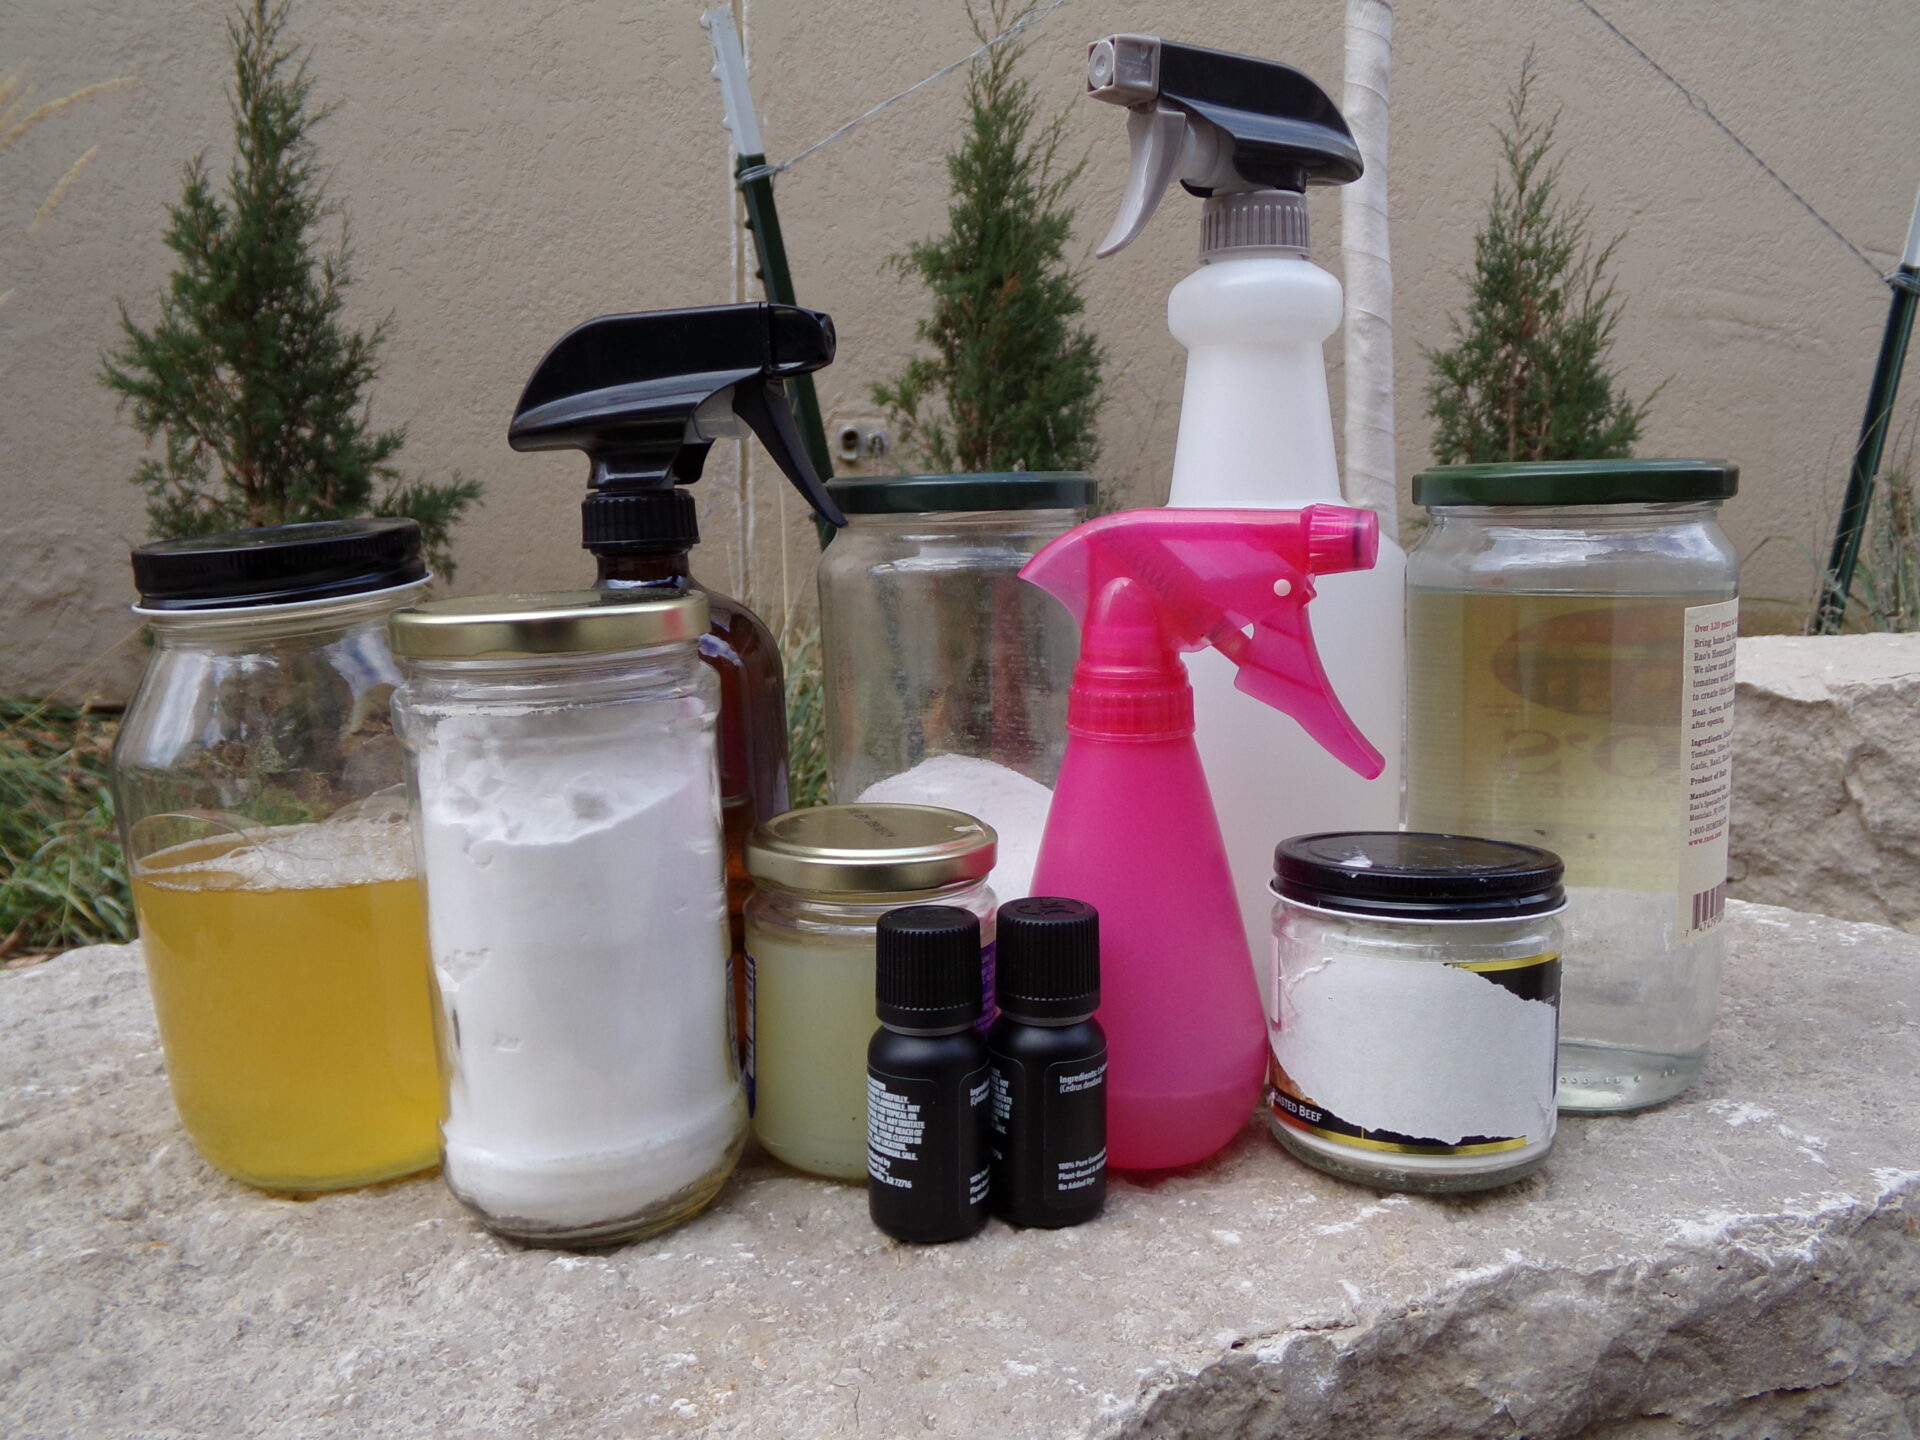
{"x": 1415, "y": 1008}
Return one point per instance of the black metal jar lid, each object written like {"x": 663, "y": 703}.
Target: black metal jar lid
{"x": 278, "y": 564}
{"x": 1410, "y": 875}
{"x": 931, "y": 494}
{"x": 1578, "y": 482}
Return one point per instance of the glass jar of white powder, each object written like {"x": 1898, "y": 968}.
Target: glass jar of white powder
{"x": 1415, "y": 1007}
{"x": 822, "y": 880}
{"x": 568, "y": 825}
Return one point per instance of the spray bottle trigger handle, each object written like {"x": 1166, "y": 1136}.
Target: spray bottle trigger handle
{"x": 1156, "y": 136}
{"x": 763, "y": 405}
{"x": 1281, "y": 667}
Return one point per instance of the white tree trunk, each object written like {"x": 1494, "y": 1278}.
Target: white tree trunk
{"x": 1370, "y": 479}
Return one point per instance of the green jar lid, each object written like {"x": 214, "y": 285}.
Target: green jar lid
{"x": 1577, "y": 482}
{"x": 928, "y": 494}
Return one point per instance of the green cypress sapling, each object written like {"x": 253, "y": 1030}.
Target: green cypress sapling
{"x": 1526, "y": 377}
{"x": 251, "y": 379}
{"x": 1013, "y": 383}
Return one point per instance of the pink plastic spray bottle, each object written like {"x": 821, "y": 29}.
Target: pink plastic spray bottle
{"x": 1133, "y": 831}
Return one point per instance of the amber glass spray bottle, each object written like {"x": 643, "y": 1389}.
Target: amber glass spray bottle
{"x": 646, "y": 395}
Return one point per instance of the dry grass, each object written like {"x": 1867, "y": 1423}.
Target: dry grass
{"x": 19, "y": 115}
{"x": 806, "y": 717}
{"x": 1886, "y": 583}
{"x": 62, "y": 880}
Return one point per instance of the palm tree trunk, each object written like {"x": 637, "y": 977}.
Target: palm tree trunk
{"x": 1367, "y": 263}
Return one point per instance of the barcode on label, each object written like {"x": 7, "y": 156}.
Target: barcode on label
{"x": 1709, "y": 906}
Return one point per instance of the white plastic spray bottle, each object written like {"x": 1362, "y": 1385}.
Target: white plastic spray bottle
{"x": 1256, "y": 431}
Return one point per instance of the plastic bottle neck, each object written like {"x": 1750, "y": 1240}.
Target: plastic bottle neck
{"x": 1128, "y": 683}
{"x": 1256, "y": 426}
{"x": 1258, "y": 221}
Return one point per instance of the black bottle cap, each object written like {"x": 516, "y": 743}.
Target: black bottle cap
{"x": 637, "y": 521}
{"x": 1047, "y": 959}
{"x": 927, "y": 976}
{"x": 278, "y": 564}
{"x": 1409, "y": 875}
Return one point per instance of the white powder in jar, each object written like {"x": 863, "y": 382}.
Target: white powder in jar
{"x": 1014, "y": 805}
{"x": 577, "y": 914}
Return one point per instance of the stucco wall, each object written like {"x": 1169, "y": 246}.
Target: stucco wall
{"x": 512, "y": 169}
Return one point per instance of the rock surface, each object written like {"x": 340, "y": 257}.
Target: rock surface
{"x": 1826, "y": 807}
{"x": 1743, "y": 1262}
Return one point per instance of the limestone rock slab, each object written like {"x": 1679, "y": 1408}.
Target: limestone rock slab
{"x": 1826, "y": 804}
{"x": 1743, "y": 1262}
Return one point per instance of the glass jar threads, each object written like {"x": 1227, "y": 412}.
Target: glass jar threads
{"x": 822, "y": 880}
{"x": 263, "y": 810}
{"x": 1570, "y": 684}
{"x": 1415, "y": 1001}
{"x": 568, "y": 811}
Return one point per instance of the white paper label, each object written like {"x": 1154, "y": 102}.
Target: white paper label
{"x": 1706, "y": 730}
{"x": 1386, "y": 1054}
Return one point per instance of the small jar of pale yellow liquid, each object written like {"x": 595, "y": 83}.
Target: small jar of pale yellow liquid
{"x": 263, "y": 808}
{"x": 822, "y": 880}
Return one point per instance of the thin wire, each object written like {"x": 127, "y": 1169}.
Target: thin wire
{"x": 1701, "y": 105}
{"x": 1032, "y": 17}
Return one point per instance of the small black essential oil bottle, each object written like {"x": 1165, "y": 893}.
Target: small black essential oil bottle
{"x": 1048, "y": 1133}
{"x": 927, "y": 1082}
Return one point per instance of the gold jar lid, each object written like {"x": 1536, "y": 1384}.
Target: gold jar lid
{"x": 871, "y": 849}
{"x": 554, "y": 622}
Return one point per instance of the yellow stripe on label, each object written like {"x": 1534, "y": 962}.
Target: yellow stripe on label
{"x": 1392, "y": 1147}
{"x": 1525, "y": 962}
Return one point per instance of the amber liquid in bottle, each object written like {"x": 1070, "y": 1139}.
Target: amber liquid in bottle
{"x": 753, "y": 726}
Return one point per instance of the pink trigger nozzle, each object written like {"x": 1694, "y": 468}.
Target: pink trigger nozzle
{"x": 1340, "y": 539}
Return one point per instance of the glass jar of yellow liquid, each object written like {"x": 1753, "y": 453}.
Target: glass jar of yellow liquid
{"x": 1570, "y": 645}
{"x": 262, "y": 802}
{"x": 822, "y": 880}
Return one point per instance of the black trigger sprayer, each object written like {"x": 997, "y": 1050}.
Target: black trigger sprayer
{"x": 1225, "y": 126}
{"x": 646, "y": 395}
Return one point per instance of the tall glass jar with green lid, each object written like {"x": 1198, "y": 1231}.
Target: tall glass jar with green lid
{"x": 1570, "y": 643}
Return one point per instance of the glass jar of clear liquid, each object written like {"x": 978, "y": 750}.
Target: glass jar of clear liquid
{"x": 1570, "y": 643}
{"x": 263, "y": 808}
{"x": 931, "y": 644}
